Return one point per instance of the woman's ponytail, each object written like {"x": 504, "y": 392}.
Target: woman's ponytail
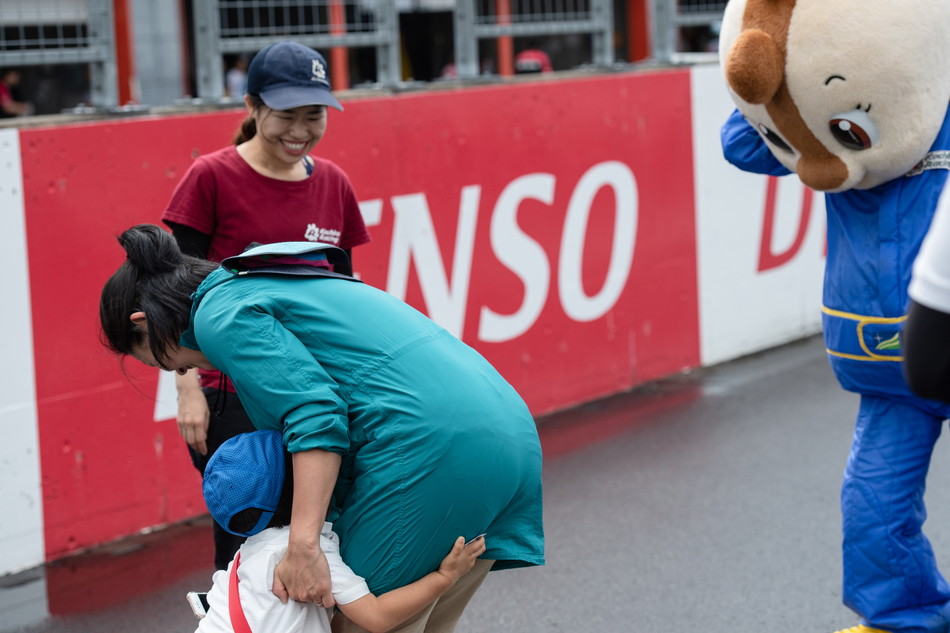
{"x": 248, "y": 128}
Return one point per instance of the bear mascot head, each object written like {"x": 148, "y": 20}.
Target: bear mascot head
{"x": 848, "y": 94}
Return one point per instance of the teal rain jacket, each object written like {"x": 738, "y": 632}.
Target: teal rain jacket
{"x": 435, "y": 444}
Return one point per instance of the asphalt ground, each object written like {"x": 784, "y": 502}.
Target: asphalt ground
{"x": 706, "y": 502}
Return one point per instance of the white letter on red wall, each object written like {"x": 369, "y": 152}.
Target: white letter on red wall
{"x": 522, "y": 255}
{"x": 768, "y": 258}
{"x": 575, "y": 302}
{"x": 414, "y": 238}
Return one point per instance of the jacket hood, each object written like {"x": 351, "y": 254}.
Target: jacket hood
{"x": 217, "y": 277}
{"x": 282, "y": 258}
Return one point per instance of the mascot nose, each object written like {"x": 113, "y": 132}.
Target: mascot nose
{"x": 822, "y": 173}
{"x": 755, "y": 67}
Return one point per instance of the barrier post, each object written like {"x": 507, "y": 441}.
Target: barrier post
{"x": 339, "y": 56}
{"x": 124, "y": 60}
{"x": 506, "y": 54}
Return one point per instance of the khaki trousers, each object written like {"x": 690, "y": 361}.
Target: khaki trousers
{"x": 439, "y": 617}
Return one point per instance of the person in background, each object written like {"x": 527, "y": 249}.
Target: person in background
{"x": 248, "y": 487}
{"x": 9, "y": 106}
{"x": 267, "y": 187}
{"x": 235, "y": 79}
{"x": 532, "y": 60}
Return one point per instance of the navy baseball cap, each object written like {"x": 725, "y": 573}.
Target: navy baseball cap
{"x": 246, "y": 472}
{"x": 288, "y": 75}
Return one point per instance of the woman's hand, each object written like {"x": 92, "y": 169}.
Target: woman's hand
{"x": 303, "y": 575}
{"x": 193, "y": 411}
{"x": 462, "y": 557}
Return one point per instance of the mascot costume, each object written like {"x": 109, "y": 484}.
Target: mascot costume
{"x": 852, "y": 96}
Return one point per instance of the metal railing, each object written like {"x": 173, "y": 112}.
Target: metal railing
{"x": 36, "y": 32}
{"x": 246, "y": 26}
{"x": 489, "y": 19}
{"x": 52, "y": 32}
{"x": 671, "y": 18}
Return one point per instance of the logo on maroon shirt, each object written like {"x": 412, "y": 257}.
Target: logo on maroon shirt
{"x": 316, "y": 234}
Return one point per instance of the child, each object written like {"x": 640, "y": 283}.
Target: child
{"x": 247, "y": 492}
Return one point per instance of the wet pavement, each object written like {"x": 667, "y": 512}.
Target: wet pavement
{"x": 705, "y": 502}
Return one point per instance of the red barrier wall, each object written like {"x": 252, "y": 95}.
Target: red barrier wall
{"x": 550, "y": 225}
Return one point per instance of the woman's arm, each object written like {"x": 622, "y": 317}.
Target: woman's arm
{"x": 925, "y": 338}
{"x": 191, "y": 241}
{"x": 193, "y": 411}
{"x": 926, "y": 343}
{"x": 378, "y": 614}
{"x": 303, "y": 573}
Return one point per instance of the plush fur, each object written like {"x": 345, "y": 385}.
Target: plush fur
{"x": 809, "y": 73}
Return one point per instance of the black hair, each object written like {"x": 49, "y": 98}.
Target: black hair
{"x": 245, "y": 520}
{"x": 157, "y": 279}
{"x": 249, "y": 125}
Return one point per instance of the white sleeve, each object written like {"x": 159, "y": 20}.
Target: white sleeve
{"x": 347, "y": 586}
{"x": 264, "y": 611}
{"x": 930, "y": 283}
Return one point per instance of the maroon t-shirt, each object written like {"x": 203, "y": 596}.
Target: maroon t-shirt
{"x": 222, "y": 196}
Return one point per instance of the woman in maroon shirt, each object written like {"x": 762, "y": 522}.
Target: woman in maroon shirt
{"x": 265, "y": 188}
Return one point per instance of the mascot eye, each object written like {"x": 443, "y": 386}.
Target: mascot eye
{"x": 854, "y": 130}
{"x": 774, "y": 139}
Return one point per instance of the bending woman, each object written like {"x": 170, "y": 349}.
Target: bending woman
{"x": 391, "y": 420}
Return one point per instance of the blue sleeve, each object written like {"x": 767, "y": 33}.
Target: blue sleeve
{"x": 743, "y": 147}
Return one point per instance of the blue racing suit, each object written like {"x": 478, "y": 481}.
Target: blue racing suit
{"x": 890, "y": 575}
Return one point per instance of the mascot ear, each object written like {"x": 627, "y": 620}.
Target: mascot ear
{"x": 755, "y": 67}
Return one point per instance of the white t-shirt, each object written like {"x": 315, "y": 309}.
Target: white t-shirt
{"x": 263, "y": 610}
{"x": 930, "y": 283}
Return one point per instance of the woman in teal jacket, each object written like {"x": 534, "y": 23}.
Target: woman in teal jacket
{"x": 402, "y": 436}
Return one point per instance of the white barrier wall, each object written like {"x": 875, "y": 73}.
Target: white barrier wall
{"x": 21, "y": 502}
{"x": 760, "y": 242}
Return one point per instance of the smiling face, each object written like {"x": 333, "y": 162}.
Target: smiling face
{"x": 284, "y": 137}
{"x": 863, "y": 89}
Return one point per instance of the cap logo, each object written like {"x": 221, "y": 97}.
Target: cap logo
{"x": 319, "y": 72}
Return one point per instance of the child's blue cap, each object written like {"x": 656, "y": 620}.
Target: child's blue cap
{"x": 288, "y": 75}
{"x": 246, "y": 472}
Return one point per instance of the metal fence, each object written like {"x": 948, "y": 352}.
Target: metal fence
{"x": 476, "y": 20}
{"x": 36, "y": 32}
{"x": 51, "y": 32}
{"x": 246, "y": 26}
{"x": 683, "y": 28}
